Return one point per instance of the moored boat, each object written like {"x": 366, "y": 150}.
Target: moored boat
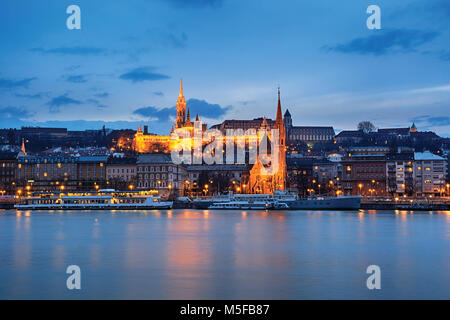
{"x": 278, "y": 200}
{"x": 101, "y": 200}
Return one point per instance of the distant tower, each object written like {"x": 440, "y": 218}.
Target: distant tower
{"x": 181, "y": 108}
{"x": 287, "y": 123}
{"x": 188, "y": 122}
{"x": 23, "y": 147}
{"x": 280, "y": 176}
{"x": 413, "y": 128}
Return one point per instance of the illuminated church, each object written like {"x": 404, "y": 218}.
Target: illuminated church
{"x": 260, "y": 179}
{"x": 148, "y": 143}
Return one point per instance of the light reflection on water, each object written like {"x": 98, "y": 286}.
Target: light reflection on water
{"x": 189, "y": 254}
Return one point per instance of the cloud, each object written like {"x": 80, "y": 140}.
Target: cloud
{"x": 77, "y": 50}
{"x": 76, "y": 79}
{"x": 102, "y": 95}
{"x": 429, "y": 121}
{"x": 386, "y": 41}
{"x": 153, "y": 112}
{"x": 203, "y": 108}
{"x": 196, "y": 3}
{"x": 158, "y": 93}
{"x": 92, "y": 101}
{"x": 15, "y": 113}
{"x": 10, "y": 84}
{"x": 143, "y": 74}
{"x": 62, "y": 100}
{"x": 177, "y": 41}
{"x": 30, "y": 96}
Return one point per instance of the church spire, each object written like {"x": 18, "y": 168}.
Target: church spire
{"x": 181, "y": 108}
{"x": 279, "y": 119}
{"x": 23, "y": 147}
{"x": 196, "y": 118}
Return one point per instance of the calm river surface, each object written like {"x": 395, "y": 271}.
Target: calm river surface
{"x": 190, "y": 254}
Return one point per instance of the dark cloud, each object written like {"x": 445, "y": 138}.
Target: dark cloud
{"x": 439, "y": 121}
{"x": 30, "y": 96}
{"x": 432, "y": 121}
{"x": 386, "y": 41}
{"x": 153, "y": 112}
{"x": 205, "y": 109}
{"x": 76, "y": 78}
{"x": 10, "y": 84}
{"x": 143, "y": 74}
{"x": 15, "y": 113}
{"x": 97, "y": 103}
{"x": 60, "y": 101}
{"x": 77, "y": 50}
{"x": 195, "y": 106}
{"x": 196, "y": 3}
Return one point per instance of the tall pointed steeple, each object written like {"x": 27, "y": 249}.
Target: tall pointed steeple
{"x": 196, "y": 118}
{"x": 280, "y": 176}
{"x": 181, "y": 108}
{"x": 279, "y": 119}
{"x": 23, "y": 147}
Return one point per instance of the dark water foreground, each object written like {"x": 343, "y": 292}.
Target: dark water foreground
{"x": 188, "y": 254}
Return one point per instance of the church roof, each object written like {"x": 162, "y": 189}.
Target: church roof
{"x": 287, "y": 113}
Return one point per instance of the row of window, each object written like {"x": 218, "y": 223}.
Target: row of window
{"x": 120, "y": 170}
{"x": 156, "y": 168}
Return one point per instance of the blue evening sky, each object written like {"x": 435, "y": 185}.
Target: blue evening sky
{"x": 123, "y": 67}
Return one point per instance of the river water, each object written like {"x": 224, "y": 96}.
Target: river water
{"x": 192, "y": 254}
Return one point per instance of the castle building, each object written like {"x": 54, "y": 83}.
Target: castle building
{"x": 145, "y": 142}
{"x": 307, "y": 134}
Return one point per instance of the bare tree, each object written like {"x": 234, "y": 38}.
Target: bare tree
{"x": 366, "y": 127}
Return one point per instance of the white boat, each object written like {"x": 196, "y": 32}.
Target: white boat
{"x": 248, "y": 205}
{"x": 290, "y": 201}
{"x": 103, "y": 200}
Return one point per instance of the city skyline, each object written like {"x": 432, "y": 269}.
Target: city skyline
{"x": 332, "y": 70}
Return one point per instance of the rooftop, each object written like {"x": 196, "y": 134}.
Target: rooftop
{"x": 427, "y": 155}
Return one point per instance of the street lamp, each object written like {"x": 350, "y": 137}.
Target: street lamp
{"x": 360, "y": 188}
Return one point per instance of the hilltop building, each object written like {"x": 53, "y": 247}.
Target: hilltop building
{"x": 144, "y": 142}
